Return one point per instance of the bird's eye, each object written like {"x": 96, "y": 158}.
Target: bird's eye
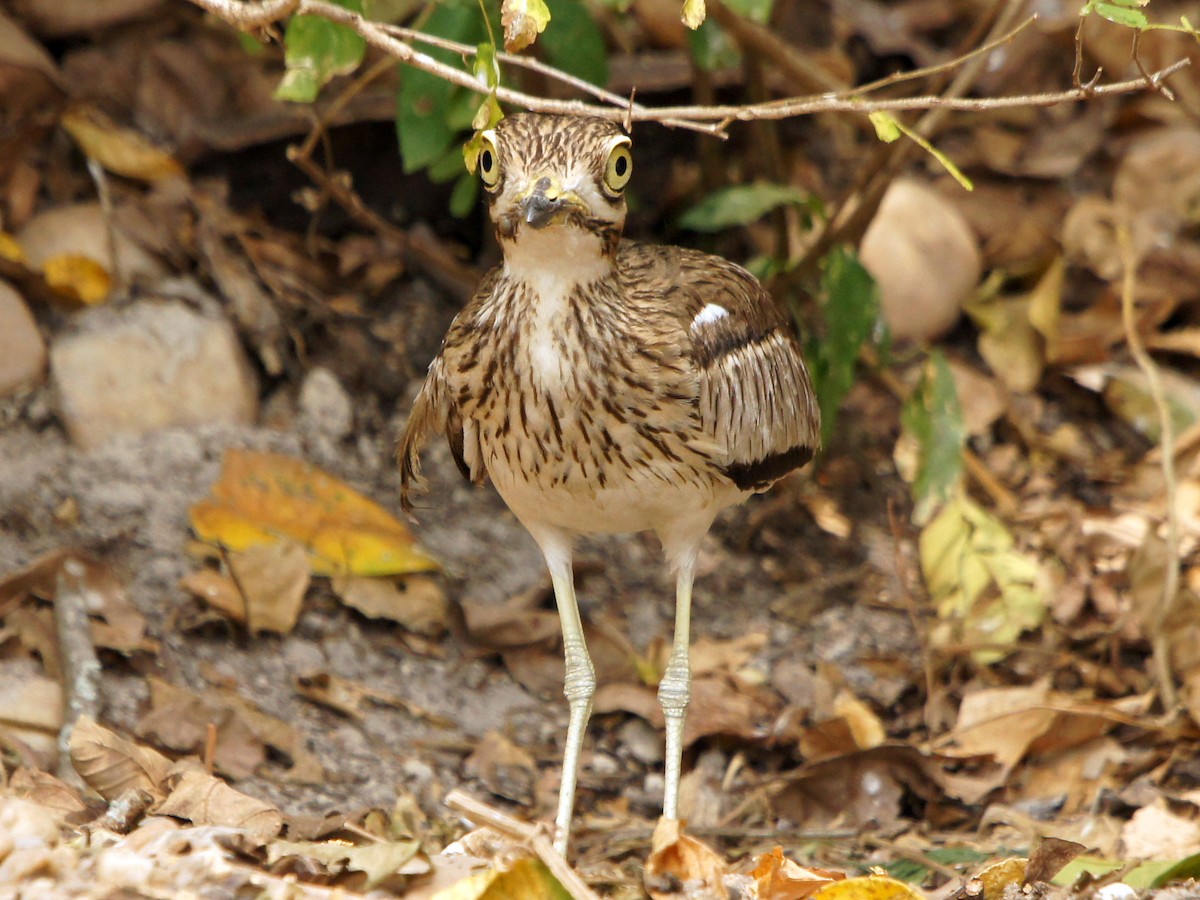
{"x": 619, "y": 168}
{"x": 489, "y": 162}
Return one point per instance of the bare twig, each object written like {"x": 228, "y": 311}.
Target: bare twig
{"x": 80, "y": 667}
{"x": 541, "y": 68}
{"x": 533, "y": 835}
{"x": 1159, "y": 638}
{"x": 714, "y": 118}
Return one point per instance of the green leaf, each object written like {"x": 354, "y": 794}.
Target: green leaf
{"x": 740, "y": 205}
{"x": 851, "y": 309}
{"x": 712, "y": 47}
{"x": 1132, "y": 18}
{"x": 464, "y": 195}
{"x": 573, "y": 43}
{"x": 425, "y": 101}
{"x": 887, "y": 127}
{"x": 758, "y": 11}
{"x": 315, "y": 50}
{"x": 933, "y": 415}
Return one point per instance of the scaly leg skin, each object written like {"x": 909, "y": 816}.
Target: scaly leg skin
{"x": 579, "y": 687}
{"x": 675, "y": 688}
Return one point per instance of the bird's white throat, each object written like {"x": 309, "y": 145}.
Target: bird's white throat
{"x": 552, "y": 263}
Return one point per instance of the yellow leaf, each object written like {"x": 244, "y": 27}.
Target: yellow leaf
{"x": 523, "y": 21}
{"x": 526, "y": 878}
{"x": 978, "y": 580}
{"x": 868, "y": 887}
{"x": 10, "y": 249}
{"x": 693, "y": 13}
{"x": 262, "y": 498}
{"x": 120, "y": 150}
{"x": 77, "y": 277}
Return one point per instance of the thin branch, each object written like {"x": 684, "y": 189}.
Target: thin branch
{"x": 536, "y": 65}
{"x": 1159, "y": 637}
{"x": 533, "y": 835}
{"x": 711, "y": 118}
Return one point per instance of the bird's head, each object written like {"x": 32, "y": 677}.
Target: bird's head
{"x": 544, "y": 173}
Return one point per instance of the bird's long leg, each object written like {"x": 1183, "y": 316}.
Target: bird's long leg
{"x": 579, "y": 686}
{"x": 675, "y": 687}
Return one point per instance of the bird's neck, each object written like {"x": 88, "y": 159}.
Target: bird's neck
{"x": 553, "y": 262}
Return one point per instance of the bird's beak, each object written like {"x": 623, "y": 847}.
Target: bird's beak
{"x": 545, "y": 202}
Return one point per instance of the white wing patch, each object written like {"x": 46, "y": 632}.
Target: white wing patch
{"x": 711, "y": 313}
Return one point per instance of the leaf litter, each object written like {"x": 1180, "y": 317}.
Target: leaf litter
{"x": 1026, "y": 713}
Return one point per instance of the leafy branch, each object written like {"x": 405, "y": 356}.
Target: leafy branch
{"x": 712, "y": 119}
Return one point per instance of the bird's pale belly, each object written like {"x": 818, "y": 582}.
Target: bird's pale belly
{"x": 642, "y": 502}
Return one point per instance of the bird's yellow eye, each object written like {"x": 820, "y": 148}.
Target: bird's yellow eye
{"x": 489, "y": 161}
{"x": 619, "y": 168}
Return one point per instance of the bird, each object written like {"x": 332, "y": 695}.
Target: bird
{"x": 608, "y": 386}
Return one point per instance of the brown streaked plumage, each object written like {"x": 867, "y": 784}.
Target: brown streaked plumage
{"x": 609, "y": 386}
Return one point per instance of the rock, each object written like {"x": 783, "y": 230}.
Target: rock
{"x": 925, "y": 257}
{"x": 22, "y": 350}
{"x": 82, "y": 230}
{"x": 147, "y": 366}
{"x": 641, "y": 741}
{"x": 325, "y": 406}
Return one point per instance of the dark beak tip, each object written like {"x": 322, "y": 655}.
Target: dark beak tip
{"x": 539, "y": 210}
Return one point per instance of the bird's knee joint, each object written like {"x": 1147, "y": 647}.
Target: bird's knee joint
{"x": 580, "y": 681}
{"x": 673, "y": 695}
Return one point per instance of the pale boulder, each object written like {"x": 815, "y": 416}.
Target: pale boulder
{"x": 22, "y": 350}
{"x": 925, "y": 258}
{"x": 147, "y": 366}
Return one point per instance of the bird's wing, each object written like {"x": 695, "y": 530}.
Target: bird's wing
{"x": 433, "y": 412}
{"x": 756, "y": 399}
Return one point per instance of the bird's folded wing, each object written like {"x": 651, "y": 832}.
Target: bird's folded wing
{"x": 756, "y": 398}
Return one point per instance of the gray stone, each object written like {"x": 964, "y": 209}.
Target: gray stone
{"x": 147, "y": 366}
{"x": 641, "y": 741}
{"x": 22, "y": 350}
{"x": 325, "y": 406}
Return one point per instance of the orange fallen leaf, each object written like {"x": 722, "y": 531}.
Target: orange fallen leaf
{"x": 679, "y": 859}
{"x": 779, "y": 878}
{"x": 77, "y": 277}
{"x": 262, "y": 498}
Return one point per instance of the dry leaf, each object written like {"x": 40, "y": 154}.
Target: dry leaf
{"x": 112, "y": 765}
{"x": 48, "y": 792}
{"x": 1003, "y": 722}
{"x": 505, "y": 769}
{"x": 523, "y": 21}
{"x": 1156, "y": 832}
{"x": 31, "y": 712}
{"x": 218, "y": 591}
{"x": 778, "y": 878}
{"x": 262, "y": 498}
{"x": 866, "y": 727}
{"x": 858, "y": 790}
{"x": 994, "y": 881}
{"x": 77, "y": 277}
{"x": 378, "y": 861}
{"x": 273, "y": 579}
{"x": 203, "y": 799}
{"x": 120, "y": 150}
{"x": 868, "y": 887}
{"x": 418, "y": 604}
{"x": 677, "y": 859}
{"x": 1048, "y": 857}
{"x": 521, "y": 879}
